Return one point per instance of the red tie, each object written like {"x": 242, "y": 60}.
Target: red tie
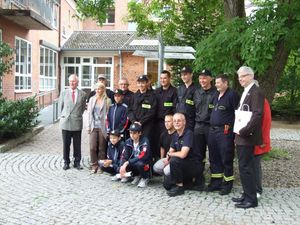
{"x": 73, "y": 96}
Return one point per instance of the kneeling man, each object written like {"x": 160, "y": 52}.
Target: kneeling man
{"x": 184, "y": 162}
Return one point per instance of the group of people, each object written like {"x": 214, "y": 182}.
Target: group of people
{"x": 167, "y": 131}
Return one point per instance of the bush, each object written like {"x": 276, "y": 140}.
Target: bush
{"x": 17, "y": 117}
{"x": 286, "y": 108}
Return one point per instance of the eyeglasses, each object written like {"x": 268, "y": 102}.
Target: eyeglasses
{"x": 244, "y": 75}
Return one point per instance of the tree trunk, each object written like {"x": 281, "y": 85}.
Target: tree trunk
{"x": 271, "y": 78}
{"x": 234, "y": 8}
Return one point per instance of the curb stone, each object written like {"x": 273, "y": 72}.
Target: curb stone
{"x": 10, "y": 144}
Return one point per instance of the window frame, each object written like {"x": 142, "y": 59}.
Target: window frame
{"x": 50, "y": 67}
{"x": 26, "y": 77}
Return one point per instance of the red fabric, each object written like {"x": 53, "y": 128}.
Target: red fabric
{"x": 146, "y": 167}
{"x": 73, "y": 96}
{"x": 141, "y": 155}
{"x": 266, "y": 127}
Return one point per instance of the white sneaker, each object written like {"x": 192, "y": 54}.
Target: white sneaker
{"x": 258, "y": 196}
{"x": 136, "y": 180}
{"x": 143, "y": 183}
{"x": 115, "y": 178}
{"x": 124, "y": 180}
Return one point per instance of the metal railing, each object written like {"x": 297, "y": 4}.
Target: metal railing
{"x": 45, "y": 8}
{"x": 55, "y": 110}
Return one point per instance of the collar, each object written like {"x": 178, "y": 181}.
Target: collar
{"x": 249, "y": 87}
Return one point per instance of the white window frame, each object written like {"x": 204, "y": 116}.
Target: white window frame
{"x": 48, "y": 82}
{"x": 93, "y": 66}
{"x": 27, "y": 76}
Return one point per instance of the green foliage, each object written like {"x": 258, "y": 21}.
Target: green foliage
{"x": 287, "y": 104}
{"x": 181, "y": 22}
{"x": 95, "y": 9}
{"x": 6, "y": 58}
{"x": 276, "y": 153}
{"x": 17, "y": 117}
{"x": 252, "y": 40}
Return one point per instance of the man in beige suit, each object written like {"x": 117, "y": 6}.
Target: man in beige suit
{"x": 72, "y": 105}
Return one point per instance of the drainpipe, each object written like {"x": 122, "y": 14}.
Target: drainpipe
{"x": 120, "y": 64}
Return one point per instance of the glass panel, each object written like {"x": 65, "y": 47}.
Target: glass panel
{"x": 86, "y": 76}
{"x": 86, "y": 60}
{"x": 29, "y": 59}
{"x": 102, "y": 70}
{"x": 111, "y": 16}
{"x": 78, "y": 60}
{"x": 41, "y": 55}
{"x": 152, "y": 70}
{"x": 102, "y": 60}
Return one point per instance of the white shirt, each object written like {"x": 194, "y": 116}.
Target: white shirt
{"x": 246, "y": 90}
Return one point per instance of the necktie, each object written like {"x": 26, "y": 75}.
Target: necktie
{"x": 73, "y": 96}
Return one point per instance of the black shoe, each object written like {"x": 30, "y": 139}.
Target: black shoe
{"x": 77, "y": 166}
{"x": 238, "y": 199}
{"x": 66, "y": 167}
{"x": 175, "y": 191}
{"x": 224, "y": 191}
{"x": 245, "y": 205}
{"x": 211, "y": 188}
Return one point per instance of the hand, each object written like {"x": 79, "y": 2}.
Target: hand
{"x": 166, "y": 162}
{"x": 123, "y": 169}
{"x": 107, "y": 163}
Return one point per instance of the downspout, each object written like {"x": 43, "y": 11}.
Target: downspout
{"x": 120, "y": 64}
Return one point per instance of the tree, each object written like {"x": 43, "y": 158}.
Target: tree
{"x": 287, "y": 103}
{"x": 95, "y": 9}
{"x": 262, "y": 41}
{"x": 6, "y": 59}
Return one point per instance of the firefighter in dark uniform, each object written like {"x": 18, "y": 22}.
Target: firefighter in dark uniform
{"x": 202, "y": 100}
{"x": 185, "y": 100}
{"x": 221, "y": 137}
{"x": 166, "y": 97}
{"x": 142, "y": 110}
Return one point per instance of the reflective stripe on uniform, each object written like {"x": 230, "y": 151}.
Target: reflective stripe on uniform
{"x": 210, "y": 106}
{"x": 190, "y": 102}
{"x": 229, "y": 178}
{"x": 217, "y": 175}
{"x": 146, "y": 106}
{"x": 168, "y": 104}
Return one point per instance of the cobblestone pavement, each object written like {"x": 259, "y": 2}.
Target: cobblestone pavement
{"x": 35, "y": 190}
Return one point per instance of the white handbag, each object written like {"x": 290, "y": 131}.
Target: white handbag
{"x": 241, "y": 118}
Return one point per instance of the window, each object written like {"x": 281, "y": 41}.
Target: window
{"x": 152, "y": 70}
{"x": 23, "y": 65}
{"x": 48, "y": 63}
{"x": 111, "y": 16}
{"x": 88, "y": 69}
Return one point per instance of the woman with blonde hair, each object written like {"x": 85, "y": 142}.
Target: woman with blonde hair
{"x": 97, "y": 111}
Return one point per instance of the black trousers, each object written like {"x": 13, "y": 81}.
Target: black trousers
{"x": 247, "y": 172}
{"x": 258, "y": 173}
{"x": 159, "y": 128}
{"x": 201, "y": 141}
{"x": 139, "y": 168}
{"x": 67, "y": 137}
{"x": 182, "y": 169}
{"x": 221, "y": 154}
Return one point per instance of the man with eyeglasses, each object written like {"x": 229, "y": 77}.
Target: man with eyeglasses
{"x": 123, "y": 85}
{"x": 249, "y": 136}
{"x": 184, "y": 160}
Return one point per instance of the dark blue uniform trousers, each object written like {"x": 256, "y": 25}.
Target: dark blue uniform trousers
{"x": 221, "y": 154}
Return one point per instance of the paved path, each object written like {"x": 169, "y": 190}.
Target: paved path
{"x": 35, "y": 190}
